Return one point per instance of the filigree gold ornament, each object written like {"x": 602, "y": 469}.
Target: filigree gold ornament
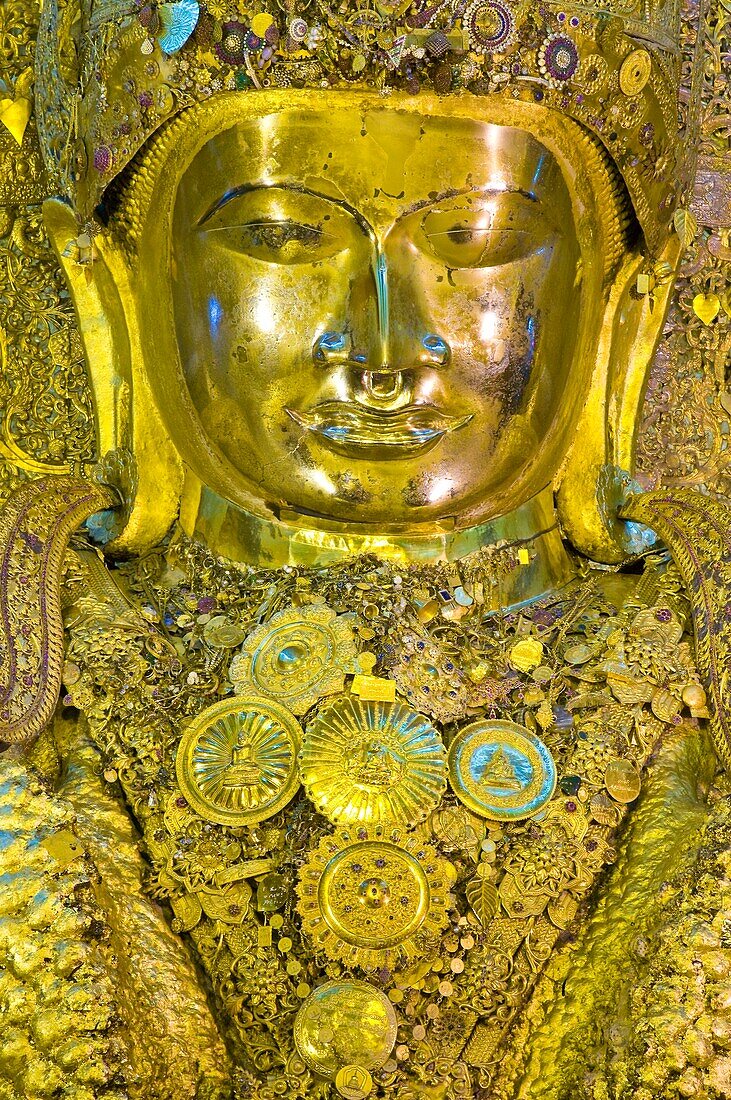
{"x": 237, "y": 761}
{"x": 500, "y": 770}
{"x": 373, "y": 763}
{"x": 299, "y": 656}
{"x": 345, "y": 1023}
{"x": 374, "y": 897}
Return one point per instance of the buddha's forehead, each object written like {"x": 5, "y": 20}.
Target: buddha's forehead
{"x": 377, "y": 158}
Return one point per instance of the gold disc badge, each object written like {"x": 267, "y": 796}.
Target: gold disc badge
{"x": 500, "y": 770}
{"x": 373, "y": 762}
{"x": 373, "y": 898}
{"x": 345, "y": 1024}
{"x": 237, "y": 761}
{"x": 635, "y": 72}
{"x": 353, "y": 1082}
{"x": 299, "y": 656}
{"x": 622, "y": 780}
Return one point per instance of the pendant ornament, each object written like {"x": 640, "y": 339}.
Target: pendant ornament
{"x": 373, "y": 762}
{"x": 237, "y": 761}
{"x": 500, "y": 770}
{"x": 345, "y": 1025}
{"x": 298, "y": 657}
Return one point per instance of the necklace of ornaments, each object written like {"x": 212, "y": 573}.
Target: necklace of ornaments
{"x": 374, "y": 807}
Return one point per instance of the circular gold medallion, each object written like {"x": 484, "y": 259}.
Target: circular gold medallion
{"x": 373, "y": 898}
{"x": 635, "y": 72}
{"x": 299, "y": 656}
{"x": 500, "y": 770}
{"x": 237, "y": 761}
{"x": 373, "y": 762}
{"x": 353, "y": 1082}
{"x": 345, "y": 1024}
{"x": 622, "y": 780}
{"x": 374, "y": 895}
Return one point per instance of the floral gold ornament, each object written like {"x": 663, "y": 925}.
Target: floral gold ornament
{"x": 558, "y": 58}
{"x": 373, "y": 762}
{"x": 237, "y": 761}
{"x": 298, "y": 657}
{"x": 490, "y": 25}
{"x": 500, "y": 770}
{"x": 374, "y": 897}
{"x": 345, "y": 1023}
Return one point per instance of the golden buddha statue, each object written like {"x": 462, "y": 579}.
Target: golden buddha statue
{"x": 387, "y": 758}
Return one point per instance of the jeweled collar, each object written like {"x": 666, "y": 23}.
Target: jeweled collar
{"x": 527, "y": 556}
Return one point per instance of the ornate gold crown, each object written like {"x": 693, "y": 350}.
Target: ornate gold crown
{"x": 109, "y": 73}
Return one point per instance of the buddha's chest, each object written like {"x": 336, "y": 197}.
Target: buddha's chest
{"x": 373, "y": 869}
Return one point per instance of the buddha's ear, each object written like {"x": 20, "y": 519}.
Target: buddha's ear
{"x": 600, "y": 464}
{"x": 136, "y": 454}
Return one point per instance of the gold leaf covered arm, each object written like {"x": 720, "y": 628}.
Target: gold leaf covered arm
{"x": 697, "y": 531}
{"x": 35, "y": 527}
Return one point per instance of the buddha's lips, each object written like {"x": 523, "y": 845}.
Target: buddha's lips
{"x": 347, "y": 425}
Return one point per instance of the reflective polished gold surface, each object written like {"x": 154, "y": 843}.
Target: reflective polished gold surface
{"x": 386, "y": 762}
{"x": 363, "y": 307}
{"x": 387, "y": 316}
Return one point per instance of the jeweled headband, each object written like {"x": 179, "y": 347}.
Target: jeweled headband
{"x": 109, "y": 73}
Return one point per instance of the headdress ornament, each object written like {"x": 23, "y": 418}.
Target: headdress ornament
{"x": 109, "y": 73}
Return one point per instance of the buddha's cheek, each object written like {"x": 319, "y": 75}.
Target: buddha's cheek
{"x": 246, "y": 339}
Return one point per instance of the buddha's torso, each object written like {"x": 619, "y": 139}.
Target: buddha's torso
{"x": 375, "y": 808}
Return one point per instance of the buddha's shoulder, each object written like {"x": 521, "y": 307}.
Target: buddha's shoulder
{"x": 97, "y": 995}
{"x": 60, "y": 1027}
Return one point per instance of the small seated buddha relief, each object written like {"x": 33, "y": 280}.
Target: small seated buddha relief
{"x": 390, "y": 705}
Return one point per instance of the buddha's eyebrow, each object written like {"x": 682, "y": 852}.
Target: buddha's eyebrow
{"x": 299, "y": 189}
{"x": 490, "y": 191}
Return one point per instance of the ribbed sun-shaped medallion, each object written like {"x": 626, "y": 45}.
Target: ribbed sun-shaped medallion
{"x": 373, "y": 762}
{"x": 237, "y": 761}
{"x": 373, "y": 898}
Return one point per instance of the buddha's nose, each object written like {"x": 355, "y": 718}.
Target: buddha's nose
{"x": 380, "y": 340}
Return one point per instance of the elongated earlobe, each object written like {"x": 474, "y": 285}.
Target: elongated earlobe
{"x": 136, "y": 455}
{"x": 601, "y": 460}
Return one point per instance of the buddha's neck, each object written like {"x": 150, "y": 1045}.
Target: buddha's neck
{"x": 530, "y": 558}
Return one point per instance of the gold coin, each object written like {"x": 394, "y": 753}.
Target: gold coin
{"x": 500, "y": 770}
{"x": 635, "y": 72}
{"x": 370, "y": 761}
{"x": 345, "y": 1023}
{"x": 237, "y": 761}
{"x": 353, "y": 1082}
{"x": 622, "y": 780}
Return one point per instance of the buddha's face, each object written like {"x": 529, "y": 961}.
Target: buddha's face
{"x": 377, "y": 311}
